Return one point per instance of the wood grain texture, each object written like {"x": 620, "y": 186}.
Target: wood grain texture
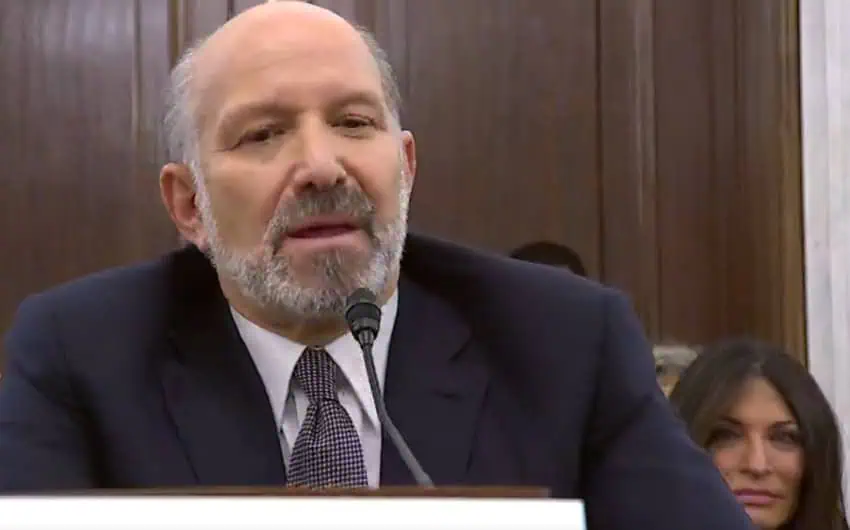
{"x": 628, "y": 174}
{"x": 503, "y": 98}
{"x": 77, "y": 117}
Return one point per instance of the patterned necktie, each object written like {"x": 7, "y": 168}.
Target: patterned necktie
{"x": 327, "y": 451}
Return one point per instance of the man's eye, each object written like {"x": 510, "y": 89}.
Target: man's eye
{"x": 355, "y": 122}
{"x": 260, "y": 135}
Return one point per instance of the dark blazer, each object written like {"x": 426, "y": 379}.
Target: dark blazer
{"x": 500, "y": 373}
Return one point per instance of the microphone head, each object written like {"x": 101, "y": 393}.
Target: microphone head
{"x": 362, "y": 314}
{"x": 360, "y": 295}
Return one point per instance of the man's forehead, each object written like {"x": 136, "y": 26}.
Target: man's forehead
{"x": 285, "y": 68}
{"x": 294, "y": 84}
{"x": 290, "y": 52}
{"x": 280, "y": 19}
{"x": 293, "y": 31}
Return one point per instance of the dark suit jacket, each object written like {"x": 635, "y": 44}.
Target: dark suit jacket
{"x": 500, "y": 373}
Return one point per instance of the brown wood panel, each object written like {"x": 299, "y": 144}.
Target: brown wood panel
{"x": 627, "y": 153}
{"x": 347, "y": 8}
{"x": 199, "y": 18}
{"x": 152, "y": 57}
{"x": 770, "y": 161}
{"x": 789, "y": 137}
{"x": 685, "y": 170}
{"x": 734, "y": 305}
{"x": 76, "y": 122}
{"x": 242, "y": 5}
{"x": 502, "y": 96}
{"x": 701, "y": 167}
{"x": 388, "y": 20}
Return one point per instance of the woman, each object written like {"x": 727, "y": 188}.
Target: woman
{"x": 770, "y": 431}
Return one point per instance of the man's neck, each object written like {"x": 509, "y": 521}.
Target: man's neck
{"x": 307, "y": 332}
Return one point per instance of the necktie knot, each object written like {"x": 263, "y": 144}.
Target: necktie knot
{"x": 316, "y": 372}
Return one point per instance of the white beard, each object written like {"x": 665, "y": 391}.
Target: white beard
{"x": 268, "y": 278}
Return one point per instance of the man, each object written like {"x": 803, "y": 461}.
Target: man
{"x": 549, "y": 253}
{"x": 227, "y": 362}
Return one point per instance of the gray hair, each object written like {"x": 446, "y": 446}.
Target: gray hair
{"x": 180, "y": 124}
{"x": 673, "y": 358}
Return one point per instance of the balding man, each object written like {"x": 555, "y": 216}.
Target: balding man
{"x": 228, "y": 362}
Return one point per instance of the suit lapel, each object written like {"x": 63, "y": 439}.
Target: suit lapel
{"x": 435, "y": 386}
{"x": 212, "y": 390}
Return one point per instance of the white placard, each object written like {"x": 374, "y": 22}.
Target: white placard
{"x": 248, "y": 513}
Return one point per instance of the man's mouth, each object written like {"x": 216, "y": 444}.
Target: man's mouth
{"x": 323, "y": 228}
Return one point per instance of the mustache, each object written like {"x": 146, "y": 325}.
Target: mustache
{"x": 339, "y": 200}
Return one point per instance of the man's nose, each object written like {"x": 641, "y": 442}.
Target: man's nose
{"x": 318, "y": 164}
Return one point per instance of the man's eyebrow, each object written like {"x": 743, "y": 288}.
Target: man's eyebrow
{"x": 243, "y": 112}
{"x": 246, "y": 111}
{"x": 360, "y": 97}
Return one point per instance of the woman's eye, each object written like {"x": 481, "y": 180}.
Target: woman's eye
{"x": 721, "y": 435}
{"x": 787, "y": 438}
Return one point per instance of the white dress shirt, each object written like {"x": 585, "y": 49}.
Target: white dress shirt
{"x": 275, "y": 357}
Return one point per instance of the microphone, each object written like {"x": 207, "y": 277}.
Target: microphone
{"x": 363, "y": 317}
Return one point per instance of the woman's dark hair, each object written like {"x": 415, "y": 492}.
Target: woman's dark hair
{"x": 548, "y": 253}
{"x": 708, "y": 388}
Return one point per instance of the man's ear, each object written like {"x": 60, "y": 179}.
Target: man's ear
{"x": 177, "y": 188}
{"x": 408, "y": 146}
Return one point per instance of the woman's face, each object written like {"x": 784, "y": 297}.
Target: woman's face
{"x": 758, "y": 450}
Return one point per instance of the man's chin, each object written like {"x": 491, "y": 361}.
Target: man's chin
{"x": 326, "y": 262}
{"x": 328, "y": 276}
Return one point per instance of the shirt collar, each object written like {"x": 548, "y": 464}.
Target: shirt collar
{"x": 275, "y": 358}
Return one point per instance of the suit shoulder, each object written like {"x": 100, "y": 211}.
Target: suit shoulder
{"x": 104, "y": 286}
{"x": 476, "y": 273}
{"x": 541, "y": 280}
{"x": 106, "y": 295}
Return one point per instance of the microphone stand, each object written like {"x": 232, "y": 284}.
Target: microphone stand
{"x": 363, "y": 317}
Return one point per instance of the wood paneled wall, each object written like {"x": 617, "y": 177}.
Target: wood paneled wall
{"x": 80, "y": 92}
{"x": 658, "y": 138}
